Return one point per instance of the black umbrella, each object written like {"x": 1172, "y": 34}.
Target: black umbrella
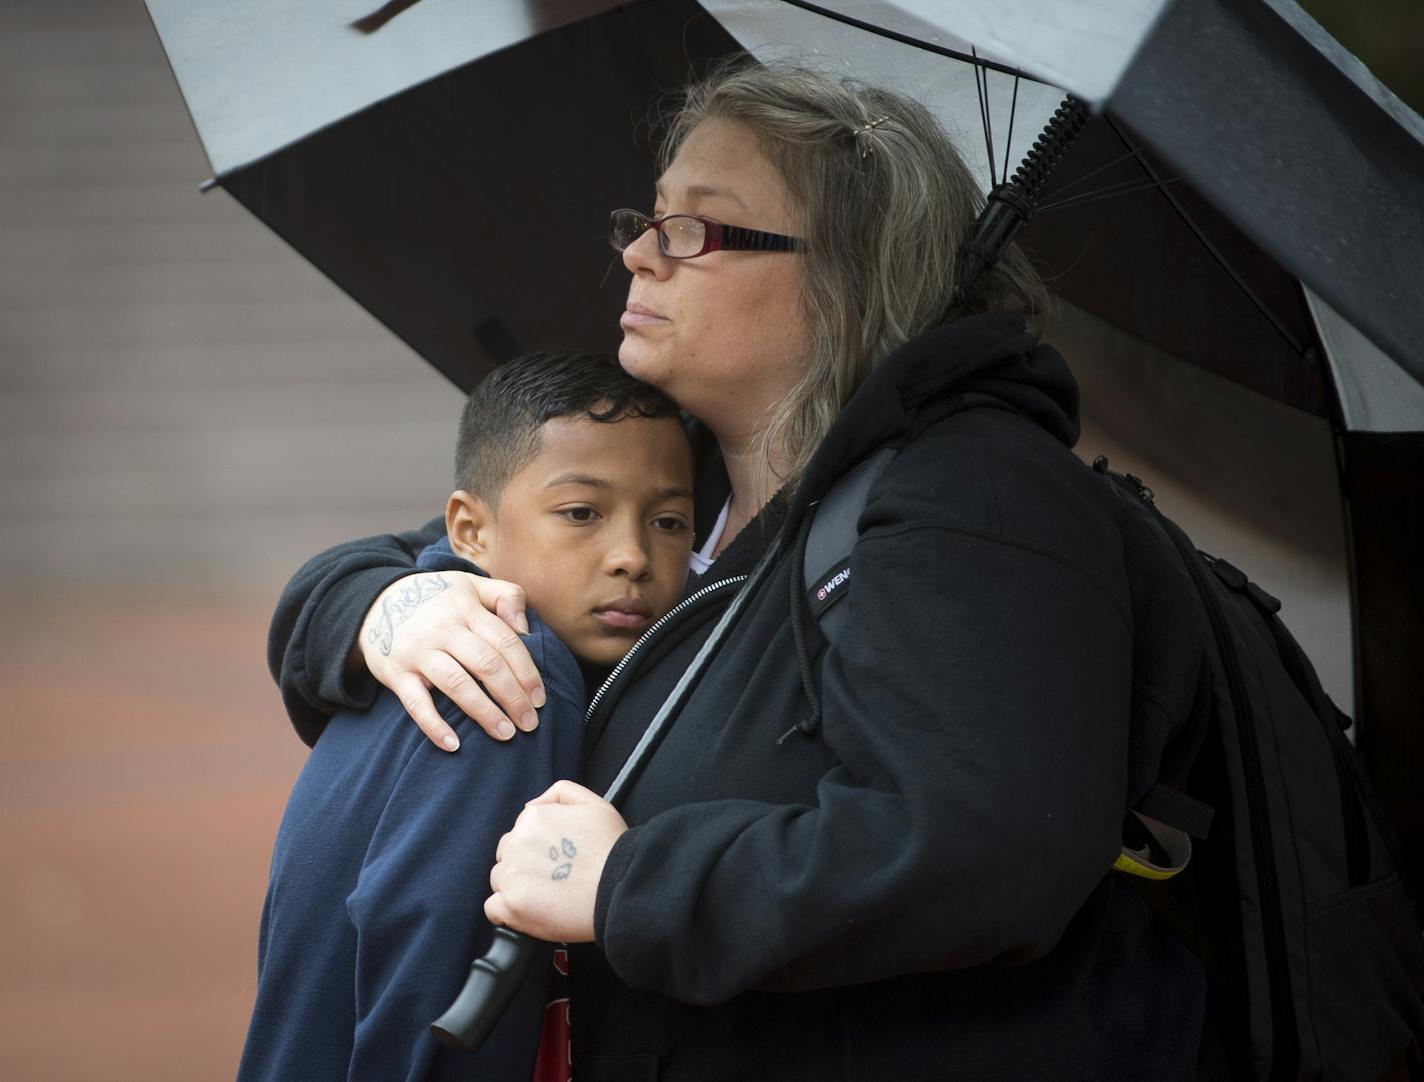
{"x": 1247, "y": 197}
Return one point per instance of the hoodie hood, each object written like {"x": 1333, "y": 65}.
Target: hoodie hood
{"x": 989, "y": 357}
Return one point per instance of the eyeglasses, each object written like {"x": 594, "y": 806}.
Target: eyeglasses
{"x": 686, "y": 236}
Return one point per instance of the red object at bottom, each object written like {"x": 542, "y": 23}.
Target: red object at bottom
{"x": 554, "y": 1062}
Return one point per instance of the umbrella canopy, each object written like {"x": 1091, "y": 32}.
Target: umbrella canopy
{"x": 438, "y": 169}
{"x": 1247, "y": 198}
{"x": 1270, "y": 119}
{"x": 361, "y": 147}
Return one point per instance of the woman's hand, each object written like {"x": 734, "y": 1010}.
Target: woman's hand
{"x": 455, "y": 632}
{"x": 546, "y": 872}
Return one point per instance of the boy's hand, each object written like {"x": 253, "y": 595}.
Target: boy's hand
{"x": 546, "y": 872}
{"x": 455, "y": 632}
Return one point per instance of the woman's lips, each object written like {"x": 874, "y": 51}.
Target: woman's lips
{"x": 637, "y": 316}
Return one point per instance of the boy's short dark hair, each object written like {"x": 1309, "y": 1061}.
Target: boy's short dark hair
{"x": 499, "y": 428}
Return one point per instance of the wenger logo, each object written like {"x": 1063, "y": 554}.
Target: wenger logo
{"x": 830, "y": 585}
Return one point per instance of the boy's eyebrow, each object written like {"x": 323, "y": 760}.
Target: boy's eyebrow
{"x": 579, "y": 479}
{"x": 599, "y": 482}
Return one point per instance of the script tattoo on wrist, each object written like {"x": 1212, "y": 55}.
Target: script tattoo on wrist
{"x": 565, "y": 848}
{"x": 418, "y": 589}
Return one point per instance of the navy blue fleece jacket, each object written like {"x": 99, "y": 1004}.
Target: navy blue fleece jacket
{"x": 379, "y": 872}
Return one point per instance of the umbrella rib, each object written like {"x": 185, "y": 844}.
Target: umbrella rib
{"x": 1211, "y": 248}
{"x": 905, "y": 39}
{"x": 982, "y": 89}
{"x": 1090, "y": 174}
{"x": 1009, "y": 142}
{"x": 1122, "y": 187}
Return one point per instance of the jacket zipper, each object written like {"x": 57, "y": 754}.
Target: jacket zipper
{"x": 661, "y": 622}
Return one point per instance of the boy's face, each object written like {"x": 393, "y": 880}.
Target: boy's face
{"x": 597, "y": 528}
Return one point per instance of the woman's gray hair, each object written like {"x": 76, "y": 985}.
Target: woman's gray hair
{"x": 883, "y": 200}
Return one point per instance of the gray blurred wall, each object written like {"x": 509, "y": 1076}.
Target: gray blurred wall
{"x": 185, "y": 405}
{"x": 187, "y": 411}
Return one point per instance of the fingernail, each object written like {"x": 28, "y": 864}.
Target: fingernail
{"x": 505, "y": 730}
{"x": 538, "y": 695}
{"x": 523, "y": 624}
{"x": 451, "y": 742}
{"x": 529, "y": 722}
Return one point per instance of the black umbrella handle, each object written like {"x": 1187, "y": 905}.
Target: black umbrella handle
{"x": 494, "y": 980}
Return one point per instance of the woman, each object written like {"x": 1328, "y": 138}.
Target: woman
{"x": 885, "y": 856}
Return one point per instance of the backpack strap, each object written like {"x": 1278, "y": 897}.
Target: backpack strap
{"x": 826, "y": 563}
{"x": 1158, "y": 851}
{"x": 1160, "y": 900}
{"x": 1356, "y": 800}
{"x": 1157, "y": 837}
{"x": 1168, "y": 805}
{"x": 826, "y": 568}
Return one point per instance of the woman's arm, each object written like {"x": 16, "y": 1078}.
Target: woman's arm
{"x": 348, "y": 620}
{"x": 978, "y": 802}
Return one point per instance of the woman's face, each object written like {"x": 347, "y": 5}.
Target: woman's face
{"x": 723, "y": 334}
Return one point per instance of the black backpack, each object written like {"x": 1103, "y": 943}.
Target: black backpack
{"x": 1293, "y": 903}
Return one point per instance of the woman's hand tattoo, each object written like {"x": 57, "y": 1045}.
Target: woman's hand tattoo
{"x": 394, "y": 612}
{"x": 565, "y": 848}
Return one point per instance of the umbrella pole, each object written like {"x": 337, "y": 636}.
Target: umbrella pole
{"x": 1012, "y": 203}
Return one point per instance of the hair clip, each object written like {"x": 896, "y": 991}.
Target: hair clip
{"x": 868, "y": 130}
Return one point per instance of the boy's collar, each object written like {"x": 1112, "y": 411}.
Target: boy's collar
{"x": 439, "y": 557}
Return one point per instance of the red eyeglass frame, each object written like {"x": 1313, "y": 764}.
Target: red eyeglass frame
{"x": 716, "y": 236}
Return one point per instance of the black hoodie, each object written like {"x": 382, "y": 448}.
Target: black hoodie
{"x": 920, "y": 887}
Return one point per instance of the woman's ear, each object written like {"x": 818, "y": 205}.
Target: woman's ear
{"x": 470, "y": 525}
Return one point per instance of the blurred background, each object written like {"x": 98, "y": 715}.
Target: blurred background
{"x": 187, "y": 412}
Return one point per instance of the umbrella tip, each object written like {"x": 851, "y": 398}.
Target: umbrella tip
{"x": 208, "y": 185}
{"x": 369, "y": 24}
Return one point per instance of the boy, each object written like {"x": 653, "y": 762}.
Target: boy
{"x": 575, "y": 481}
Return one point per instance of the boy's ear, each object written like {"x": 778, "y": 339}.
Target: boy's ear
{"x": 469, "y": 523}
